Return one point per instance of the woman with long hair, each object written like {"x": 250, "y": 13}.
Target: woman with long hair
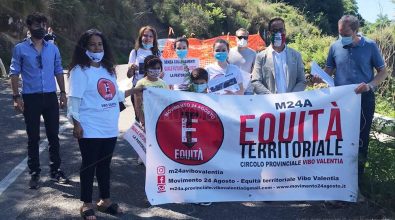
{"x": 146, "y": 44}
{"x": 94, "y": 109}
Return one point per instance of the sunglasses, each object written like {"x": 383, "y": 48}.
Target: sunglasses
{"x": 280, "y": 30}
{"x": 39, "y": 61}
{"x": 242, "y": 37}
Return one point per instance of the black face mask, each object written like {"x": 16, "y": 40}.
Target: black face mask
{"x": 38, "y": 33}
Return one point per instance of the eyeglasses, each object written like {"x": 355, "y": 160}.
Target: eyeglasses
{"x": 39, "y": 61}
{"x": 242, "y": 37}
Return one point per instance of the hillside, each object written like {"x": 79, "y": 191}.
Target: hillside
{"x": 121, "y": 19}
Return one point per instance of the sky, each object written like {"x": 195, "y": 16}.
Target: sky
{"x": 369, "y": 9}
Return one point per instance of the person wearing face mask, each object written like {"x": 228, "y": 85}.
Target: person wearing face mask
{"x": 243, "y": 57}
{"x": 146, "y": 44}
{"x": 352, "y": 59}
{"x": 153, "y": 68}
{"x": 223, "y": 68}
{"x": 199, "y": 80}
{"x": 40, "y": 64}
{"x": 278, "y": 68}
{"x": 181, "y": 46}
{"x": 94, "y": 109}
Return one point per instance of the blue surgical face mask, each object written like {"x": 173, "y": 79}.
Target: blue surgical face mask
{"x": 199, "y": 88}
{"x": 182, "y": 53}
{"x": 148, "y": 46}
{"x": 95, "y": 57}
{"x": 221, "y": 56}
{"x": 346, "y": 40}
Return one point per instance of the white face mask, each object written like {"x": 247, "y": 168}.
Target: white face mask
{"x": 95, "y": 57}
{"x": 154, "y": 73}
{"x": 277, "y": 42}
{"x": 242, "y": 42}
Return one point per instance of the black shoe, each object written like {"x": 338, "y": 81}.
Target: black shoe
{"x": 34, "y": 180}
{"x": 58, "y": 176}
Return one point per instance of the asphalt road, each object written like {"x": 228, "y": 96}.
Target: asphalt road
{"x": 55, "y": 201}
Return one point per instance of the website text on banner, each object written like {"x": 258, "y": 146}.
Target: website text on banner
{"x": 203, "y": 49}
{"x": 282, "y": 147}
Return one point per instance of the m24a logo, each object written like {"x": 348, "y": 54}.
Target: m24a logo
{"x": 189, "y": 132}
{"x": 293, "y": 104}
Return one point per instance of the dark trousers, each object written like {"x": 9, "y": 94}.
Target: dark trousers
{"x": 45, "y": 104}
{"x": 96, "y": 156}
{"x": 367, "y": 112}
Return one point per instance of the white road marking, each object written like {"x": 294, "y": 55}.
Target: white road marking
{"x": 18, "y": 170}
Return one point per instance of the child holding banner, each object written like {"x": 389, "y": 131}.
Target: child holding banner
{"x": 152, "y": 69}
{"x": 199, "y": 79}
{"x": 225, "y": 78}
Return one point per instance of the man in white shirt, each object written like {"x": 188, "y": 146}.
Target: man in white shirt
{"x": 278, "y": 69}
{"x": 243, "y": 57}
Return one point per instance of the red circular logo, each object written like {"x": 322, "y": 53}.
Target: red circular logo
{"x": 189, "y": 132}
{"x": 106, "y": 89}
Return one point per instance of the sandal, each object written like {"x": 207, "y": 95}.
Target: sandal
{"x": 112, "y": 209}
{"x": 87, "y": 213}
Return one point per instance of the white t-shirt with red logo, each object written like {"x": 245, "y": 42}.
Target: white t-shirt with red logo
{"x": 99, "y": 109}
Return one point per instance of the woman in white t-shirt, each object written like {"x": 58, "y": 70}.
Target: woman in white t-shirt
{"x": 146, "y": 44}
{"x": 94, "y": 108}
{"x": 221, "y": 68}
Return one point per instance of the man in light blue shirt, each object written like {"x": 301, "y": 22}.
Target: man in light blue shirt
{"x": 353, "y": 59}
{"x": 39, "y": 63}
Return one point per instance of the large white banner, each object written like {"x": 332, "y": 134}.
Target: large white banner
{"x": 281, "y": 147}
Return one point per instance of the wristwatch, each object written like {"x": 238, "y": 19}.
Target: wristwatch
{"x": 372, "y": 87}
{"x": 15, "y": 97}
{"x": 62, "y": 92}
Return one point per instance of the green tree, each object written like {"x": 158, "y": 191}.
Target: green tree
{"x": 194, "y": 19}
